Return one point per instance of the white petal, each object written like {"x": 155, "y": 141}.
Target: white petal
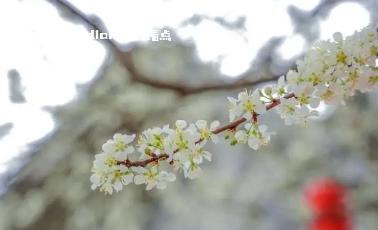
{"x": 256, "y": 95}
{"x": 181, "y": 124}
{"x": 214, "y": 125}
{"x": 253, "y": 143}
{"x": 171, "y": 177}
{"x": 128, "y": 138}
{"x": 166, "y": 128}
{"x": 139, "y": 179}
{"x": 302, "y": 111}
{"x": 123, "y": 168}
{"x": 338, "y": 36}
{"x": 281, "y": 81}
{"x": 151, "y": 185}
{"x": 232, "y": 100}
{"x": 241, "y": 136}
{"x": 127, "y": 179}
{"x": 107, "y": 188}
{"x": 161, "y": 185}
{"x": 108, "y": 147}
{"x": 166, "y": 176}
{"x": 129, "y": 150}
{"x": 232, "y": 116}
{"x": 117, "y": 186}
{"x": 117, "y": 136}
{"x": 94, "y": 186}
{"x": 192, "y": 129}
{"x": 207, "y": 155}
{"x": 120, "y": 156}
{"x": 95, "y": 179}
{"x": 314, "y": 113}
{"x": 314, "y": 102}
{"x": 201, "y": 124}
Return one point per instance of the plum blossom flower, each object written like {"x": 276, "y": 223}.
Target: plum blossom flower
{"x": 287, "y": 110}
{"x": 154, "y": 141}
{"x": 109, "y": 177}
{"x": 207, "y": 133}
{"x": 303, "y": 93}
{"x": 331, "y": 94}
{"x": 246, "y": 104}
{"x": 152, "y": 177}
{"x": 184, "y": 136}
{"x": 290, "y": 110}
{"x": 251, "y": 103}
{"x": 281, "y": 88}
{"x": 255, "y": 135}
{"x": 119, "y": 145}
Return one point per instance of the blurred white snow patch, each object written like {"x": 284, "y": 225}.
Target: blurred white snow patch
{"x": 236, "y": 64}
{"x": 29, "y": 125}
{"x": 345, "y": 18}
{"x": 291, "y": 47}
{"x": 306, "y": 5}
{"x": 52, "y": 57}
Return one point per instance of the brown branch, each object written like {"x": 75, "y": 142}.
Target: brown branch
{"x": 68, "y": 7}
{"x": 144, "y": 162}
{"x": 127, "y": 61}
{"x": 231, "y": 126}
{"x": 183, "y": 89}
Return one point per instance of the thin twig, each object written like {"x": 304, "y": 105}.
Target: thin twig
{"x": 231, "y": 126}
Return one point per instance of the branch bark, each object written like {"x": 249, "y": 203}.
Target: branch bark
{"x": 127, "y": 61}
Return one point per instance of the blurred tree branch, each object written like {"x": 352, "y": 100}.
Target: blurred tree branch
{"x": 127, "y": 61}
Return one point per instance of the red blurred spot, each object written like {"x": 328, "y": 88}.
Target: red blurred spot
{"x": 328, "y": 222}
{"x": 326, "y": 198}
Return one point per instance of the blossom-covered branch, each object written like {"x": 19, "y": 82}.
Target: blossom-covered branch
{"x": 331, "y": 72}
{"x": 229, "y": 127}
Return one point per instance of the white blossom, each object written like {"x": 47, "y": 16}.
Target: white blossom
{"x": 207, "y": 133}
{"x": 251, "y": 103}
{"x": 304, "y": 96}
{"x": 331, "y": 94}
{"x": 152, "y": 177}
{"x": 119, "y": 145}
{"x": 246, "y": 105}
{"x": 287, "y": 110}
{"x": 255, "y": 135}
{"x": 280, "y": 89}
{"x": 154, "y": 141}
{"x": 293, "y": 113}
{"x": 108, "y": 175}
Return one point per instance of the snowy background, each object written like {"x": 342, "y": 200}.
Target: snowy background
{"x": 62, "y": 94}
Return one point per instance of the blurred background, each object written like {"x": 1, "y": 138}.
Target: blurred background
{"x": 63, "y": 94}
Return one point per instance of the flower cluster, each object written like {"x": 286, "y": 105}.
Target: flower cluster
{"x": 182, "y": 147}
{"x": 107, "y": 173}
{"x": 330, "y": 72}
